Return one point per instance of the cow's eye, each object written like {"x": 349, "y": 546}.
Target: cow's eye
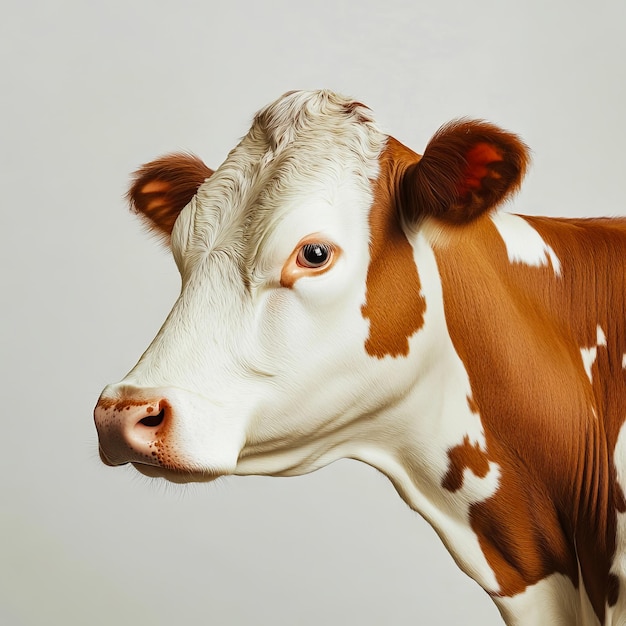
{"x": 314, "y": 255}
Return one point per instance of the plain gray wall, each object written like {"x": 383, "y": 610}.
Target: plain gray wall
{"x": 89, "y": 91}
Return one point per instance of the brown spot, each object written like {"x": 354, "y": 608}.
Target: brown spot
{"x": 394, "y": 303}
{"x": 465, "y": 456}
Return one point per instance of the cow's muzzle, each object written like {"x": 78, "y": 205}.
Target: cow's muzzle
{"x": 133, "y": 425}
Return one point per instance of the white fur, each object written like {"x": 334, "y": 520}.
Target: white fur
{"x": 523, "y": 243}
{"x": 589, "y": 354}
{"x": 553, "y": 601}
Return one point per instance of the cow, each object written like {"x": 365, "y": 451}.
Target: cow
{"x": 345, "y": 297}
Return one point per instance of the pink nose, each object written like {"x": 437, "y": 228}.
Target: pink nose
{"x": 132, "y": 429}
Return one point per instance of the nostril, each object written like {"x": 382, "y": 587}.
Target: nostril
{"x": 153, "y": 420}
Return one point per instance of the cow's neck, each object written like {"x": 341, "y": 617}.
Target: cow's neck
{"x": 532, "y": 505}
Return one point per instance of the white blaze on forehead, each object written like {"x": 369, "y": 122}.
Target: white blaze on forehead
{"x": 523, "y": 243}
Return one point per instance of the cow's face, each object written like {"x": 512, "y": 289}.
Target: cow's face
{"x": 301, "y": 303}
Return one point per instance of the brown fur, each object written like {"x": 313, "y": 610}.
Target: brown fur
{"x": 519, "y": 330}
{"x": 162, "y": 188}
{"x": 395, "y": 308}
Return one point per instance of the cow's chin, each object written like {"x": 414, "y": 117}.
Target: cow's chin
{"x": 180, "y": 476}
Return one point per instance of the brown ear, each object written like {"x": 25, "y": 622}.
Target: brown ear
{"x": 162, "y": 188}
{"x": 468, "y": 167}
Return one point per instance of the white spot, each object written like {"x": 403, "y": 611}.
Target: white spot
{"x": 589, "y": 358}
{"x": 523, "y": 243}
{"x": 624, "y": 361}
{"x": 589, "y": 355}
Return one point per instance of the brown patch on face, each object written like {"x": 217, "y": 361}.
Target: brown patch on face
{"x": 394, "y": 303}
{"x": 518, "y": 330}
{"x": 162, "y": 188}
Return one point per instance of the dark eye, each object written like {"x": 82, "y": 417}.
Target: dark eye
{"x": 314, "y": 255}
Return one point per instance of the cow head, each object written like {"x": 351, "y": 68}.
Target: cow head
{"x": 305, "y": 320}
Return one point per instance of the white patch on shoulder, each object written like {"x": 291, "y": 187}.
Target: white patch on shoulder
{"x": 523, "y": 243}
{"x": 553, "y": 600}
{"x": 589, "y": 354}
{"x": 624, "y": 361}
{"x": 589, "y": 358}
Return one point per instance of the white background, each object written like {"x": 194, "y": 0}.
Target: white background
{"x": 89, "y": 91}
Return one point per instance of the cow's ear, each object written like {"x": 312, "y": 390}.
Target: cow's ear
{"x": 162, "y": 188}
{"x": 468, "y": 168}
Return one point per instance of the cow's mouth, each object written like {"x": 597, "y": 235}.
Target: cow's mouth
{"x": 175, "y": 475}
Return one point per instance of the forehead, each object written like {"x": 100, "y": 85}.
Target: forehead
{"x": 304, "y": 140}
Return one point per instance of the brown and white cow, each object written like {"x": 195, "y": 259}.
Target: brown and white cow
{"x": 343, "y": 296}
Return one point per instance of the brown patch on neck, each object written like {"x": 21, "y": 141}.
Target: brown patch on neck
{"x": 394, "y": 303}
{"x": 465, "y": 456}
